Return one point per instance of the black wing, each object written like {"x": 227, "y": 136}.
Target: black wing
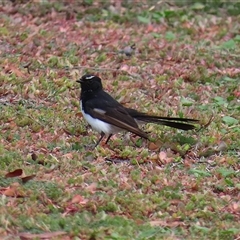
{"x": 107, "y": 109}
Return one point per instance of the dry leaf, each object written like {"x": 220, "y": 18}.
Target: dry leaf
{"x": 166, "y": 223}
{"x": 10, "y": 192}
{"x": 10, "y": 68}
{"x": 152, "y": 146}
{"x": 34, "y": 156}
{"x": 47, "y": 235}
{"x": 27, "y": 178}
{"x": 15, "y": 173}
{"x": 68, "y": 155}
{"x": 79, "y": 199}
{"x": 162, "y": 156}
{"x": 79, "y": 114}
{"x": 92, "y": 187}
{"x": 13, "y": 191}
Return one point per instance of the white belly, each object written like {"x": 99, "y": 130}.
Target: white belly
{"x": 99, "y": 125}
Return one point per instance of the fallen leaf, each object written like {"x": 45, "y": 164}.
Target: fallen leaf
{"x": 92, "y": 187}
{"x": 34, "y": 156}
{"x": 162, "y": 156}
{"x": 79, "y": 114}
{"x": 152, "y": 146}
{"x": 79, "y": 199}
{"x": 27, "y": 178}
{"x": 15, "y": 173}
{"x": 236, "y": 93}
{"x": 10, "y": 192}
{"x": 10, "y": 68}
{"x": 25, "y": 235}
{"x": 166, "y": 223}
{"x": 68, "y": 155}
{"x": 235, "y": 206}
{"x": 13, "y": 191}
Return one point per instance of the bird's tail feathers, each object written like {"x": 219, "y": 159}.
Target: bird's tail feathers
{"x": 179, "y": 123}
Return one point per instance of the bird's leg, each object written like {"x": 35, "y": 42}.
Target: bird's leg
{"x": 100, "y": 139}
{"x": 110, "y": 135}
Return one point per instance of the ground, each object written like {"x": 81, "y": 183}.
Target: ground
{"x": 179, "y": 185}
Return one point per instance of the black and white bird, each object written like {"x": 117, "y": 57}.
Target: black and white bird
{"x": 107, "y": 116}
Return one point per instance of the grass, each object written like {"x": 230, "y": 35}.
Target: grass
{"x": 182, "y": 184}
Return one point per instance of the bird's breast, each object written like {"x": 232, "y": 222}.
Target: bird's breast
{"x": 97, "y": 124}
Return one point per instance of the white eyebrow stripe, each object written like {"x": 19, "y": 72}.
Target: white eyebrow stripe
{"x": 98, "y": 110}
{"x": 90, "y": 77}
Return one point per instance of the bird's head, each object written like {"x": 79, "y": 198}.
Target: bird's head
{"x": 90, "y": 82}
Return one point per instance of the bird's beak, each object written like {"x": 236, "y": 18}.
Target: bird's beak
{"x": 79, "y": 81}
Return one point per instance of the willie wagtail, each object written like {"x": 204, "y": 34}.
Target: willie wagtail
{"x": 107, "y": 116}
